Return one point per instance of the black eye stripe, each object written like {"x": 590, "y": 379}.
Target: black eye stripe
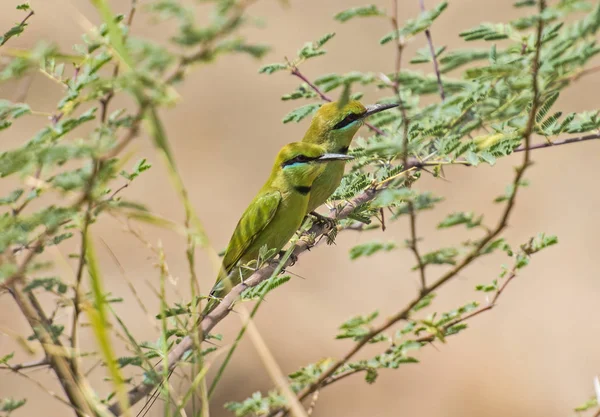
{"x": 352, "y": 117}
{"x": 299, "y": 158}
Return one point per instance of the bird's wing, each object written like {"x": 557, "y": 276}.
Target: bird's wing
{"x": 256, "y": 217}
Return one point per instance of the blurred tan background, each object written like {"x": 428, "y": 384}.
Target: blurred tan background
{"x": 535, "y": 354}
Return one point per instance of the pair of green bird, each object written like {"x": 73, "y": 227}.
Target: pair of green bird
{"x": 304, "y": 176}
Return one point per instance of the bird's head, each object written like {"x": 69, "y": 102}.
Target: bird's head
{"x": 334, "y": 126}
{"x": 298, "y": 164}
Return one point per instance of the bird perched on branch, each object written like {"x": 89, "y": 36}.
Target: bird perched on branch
{"x": 333, "y": 126}
{"x": 274, "y": 214}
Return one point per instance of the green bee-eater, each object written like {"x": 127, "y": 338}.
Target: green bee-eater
{"x": 275, "y": 213}
{"x": 334, "y": 127}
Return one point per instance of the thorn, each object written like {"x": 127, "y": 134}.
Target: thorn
{"x": 296, "y": 275}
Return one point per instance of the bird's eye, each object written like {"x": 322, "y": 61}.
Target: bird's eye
{"x": 297, "y": 159}
{"x": 352, "y": 117}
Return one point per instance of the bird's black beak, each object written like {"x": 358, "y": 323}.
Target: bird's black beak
{"x": 376, "y": 108}
{"x": 333, "y": 157}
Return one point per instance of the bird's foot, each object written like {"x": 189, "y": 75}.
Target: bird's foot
{"x": 293, "y": 257}
{"x": 330, "y": 227}
{"x": 327, "y": 221}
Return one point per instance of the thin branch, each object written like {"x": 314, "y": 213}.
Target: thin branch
{"x": 22, "y": 24}
{"x": 16, "y": 211}
{"x": 296, "y": 72}
{"x": 55, "y": 352}
{"x": 186, "y": 61}
{"x": 413, "y": 245}
{"x": 27, "y": 365}
{"x": 43, "y": 388}
{"x": 77, "y": 288}
{"x": 584, "y": 72}
{"x": 558, "y": 142}
{"x": 104, "y": 101}
{"x": 433, "y": 57}
{"x": 131, "y": 134}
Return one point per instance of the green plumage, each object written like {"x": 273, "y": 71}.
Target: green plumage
{"x": 274, "y": 214}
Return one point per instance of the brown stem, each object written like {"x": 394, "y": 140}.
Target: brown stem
{"x": 55, "y": 352}
{"x": 23, "y": 23}
{"x": 27, "y": 365}
{"x": 558, "y": 142}
{"x": 412, "y": 245}
{"x": 433, "y": 57}
{"x": 104, "y": 101}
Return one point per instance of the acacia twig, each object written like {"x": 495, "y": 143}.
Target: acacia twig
{"x": 104, "y": 101}
{"x": 433, "y": 57}
{"x": 558, "y": 143}
{"x": 413, "y": 245}
{"x": 27, "y": 365}
{"x": 23, "y": 23}
{"x": 54, "y": 350}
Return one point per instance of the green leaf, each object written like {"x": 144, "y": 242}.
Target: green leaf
{"x": 4, "y": 359}
{"x": 271, "y": 68}
{"x": 8, "y": 405}
{"x": 262, "y": 289}
{"x": 423, "y": 302}
{"x": 588, "y": 405}
{"x": 424, "y": 55}
{"x": 52, "y": 284}
{"x": 545, "y": 107}
{"x": 444, "y": 256}
{"x": 300, "y": 113}
{"x": 357, "y": 327}
{"x": 12, "y": 197}
{"x": 525, "y": 3}
{"x": 363, "y": 11}
{"x": 420, "y": 24}
{"x": 461, "y": 217}
{"x": 313, "y": 49}
{"x": 324, "y": 39}
{"x": 368, "y": 249}
{"x": 391, "y": 196}
{"x": 129, "y": 360}
{"x": 140, "y": 167}
{"x": 488, "y": 32}
{"x": 9, "y": 110}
